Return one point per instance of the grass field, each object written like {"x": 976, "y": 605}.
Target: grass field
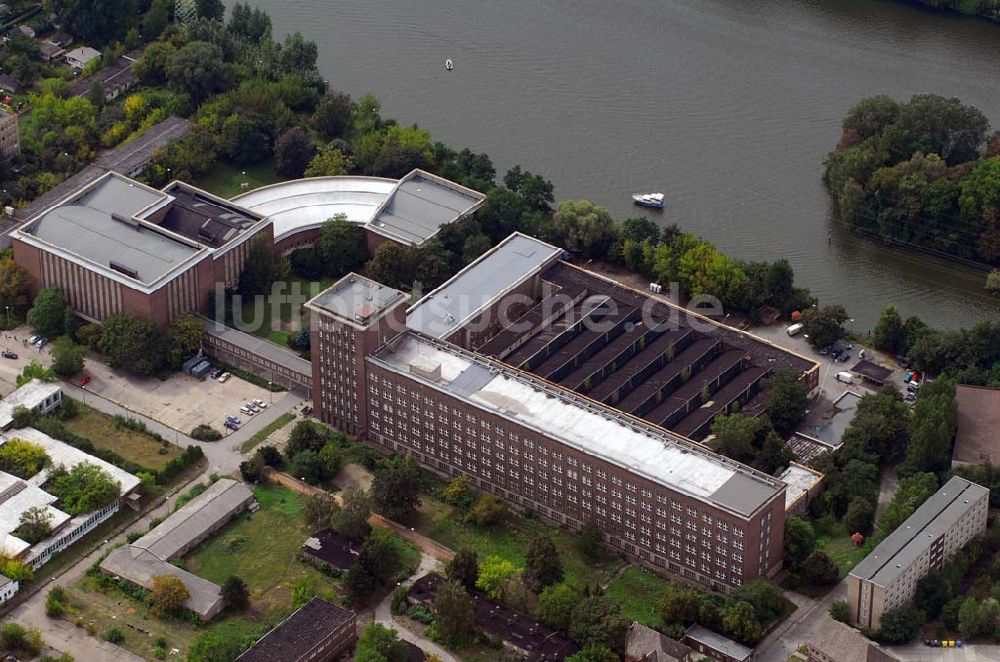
{"x": 833, "y": 539}
{"x": 262, "y": 548}
{"x": 261, "y": 435}
{"x": 638, "y": 592}
{"x": 439, "y": 521}
{"x": 224, "y": 180}
{"x": 134, "y": 446}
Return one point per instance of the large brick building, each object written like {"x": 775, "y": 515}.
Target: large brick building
{"x": 118, "y": 246}
{"x": 428, "y": 382}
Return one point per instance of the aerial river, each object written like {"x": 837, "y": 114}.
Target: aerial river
{"x": 726, "y": 106}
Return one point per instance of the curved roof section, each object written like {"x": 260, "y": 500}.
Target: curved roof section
{"x": 303, "y": 204}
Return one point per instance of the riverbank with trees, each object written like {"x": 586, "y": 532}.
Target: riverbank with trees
{"x": 922, "y": 174}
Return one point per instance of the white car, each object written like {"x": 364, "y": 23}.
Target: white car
{"x": 260, "y": 403}
{"x": 246, "y": 410}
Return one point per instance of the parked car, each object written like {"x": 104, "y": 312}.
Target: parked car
{"x": 794, "y": 329}
{"x": 233, "y": 419}
{"x": 844, "y": 358}
{"x": 246, "y": 410}
{"x": 217, "y": 373}
{"x": 84, "y": 379}
{"x": 7, "y": 354}
{"x": 260, "y": 403}
{"x": 307, "y": 410}
{"x": 224, "y": 376}
{"x": 41, "y": 342}
{"x": 232, "y": 425}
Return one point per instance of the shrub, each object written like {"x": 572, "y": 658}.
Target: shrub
{"x": 421, "y": 614}
{"x": 55, "y": 602}
{"x": 22, "y": 458}
{"x": 203, "y": 432}
{"x": 114, "y": 635}
{"x": 18, "y": 639}
{"x": 487, "y": 510}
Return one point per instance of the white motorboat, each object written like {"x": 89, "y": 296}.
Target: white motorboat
{"x": 448, "y": 64}
{"x": 654, "y": 200}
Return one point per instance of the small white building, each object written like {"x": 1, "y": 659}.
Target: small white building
{"x": 8, "y": 587}
{"x": 18, "y": 495}
{"x": 80, "y": 57}
{"x": 35, "y": 395}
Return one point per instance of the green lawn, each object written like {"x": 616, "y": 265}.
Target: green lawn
{"x": 261, "y": 435}
{"x": 833, "y": 539}
{"x": 262, "y": 548}
{"x": 224, "y": 180}
{"x": 439, "y": 521}
{"x": 638, "y": 592}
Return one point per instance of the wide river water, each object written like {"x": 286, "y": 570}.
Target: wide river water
{"x": 727, "y": 106}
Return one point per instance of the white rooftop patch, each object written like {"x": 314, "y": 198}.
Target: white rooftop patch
{"x": 409, "y": 210}
{"x": 800, "y": 480}
{"x": 305, "y": 204}
{"x": 16, "y": 497}
{"x": 659, "y": 456}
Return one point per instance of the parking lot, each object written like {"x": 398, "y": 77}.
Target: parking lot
{"x": 179, "y": 402}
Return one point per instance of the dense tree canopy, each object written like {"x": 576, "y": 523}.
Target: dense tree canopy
{"x": 917, "y": 173}
{"x": 82, "y": 489}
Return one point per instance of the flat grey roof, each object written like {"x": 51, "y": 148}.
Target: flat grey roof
{"x": 196, "y": 518}
{"x": 473, "y": 288}
{"x": 832, "y": 432}
{"x": 98, "y": 226}
{"x": 135, "y": 153}
{"x": 258, "y": 346}
{"x": 420, "y": 204}
{"x": 644, "y": 449}
{"x": 356, "y": 299}
{"x": 140, "y": 567}
{"x": 939, "y": 513}
{"x": 733, "y": 649}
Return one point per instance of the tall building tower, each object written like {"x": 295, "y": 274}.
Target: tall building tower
{"x": 348, "y": 321}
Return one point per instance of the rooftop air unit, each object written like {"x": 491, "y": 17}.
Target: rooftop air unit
{"x": 121, "y": 268}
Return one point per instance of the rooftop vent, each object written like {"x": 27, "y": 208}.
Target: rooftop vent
{"x": 121, "y": 268}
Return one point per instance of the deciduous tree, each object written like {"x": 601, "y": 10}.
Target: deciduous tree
{"x": 454, "y": 616}
{"x": 555, "y": 606}
{"x": 395, "y": 487}
{"x": 463, "y": 568}
{"x": 292, "y": 153}
{"x": 168, "y": 595}
{"x": 494, "y": 573}
{"x": 48, "y": 314}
